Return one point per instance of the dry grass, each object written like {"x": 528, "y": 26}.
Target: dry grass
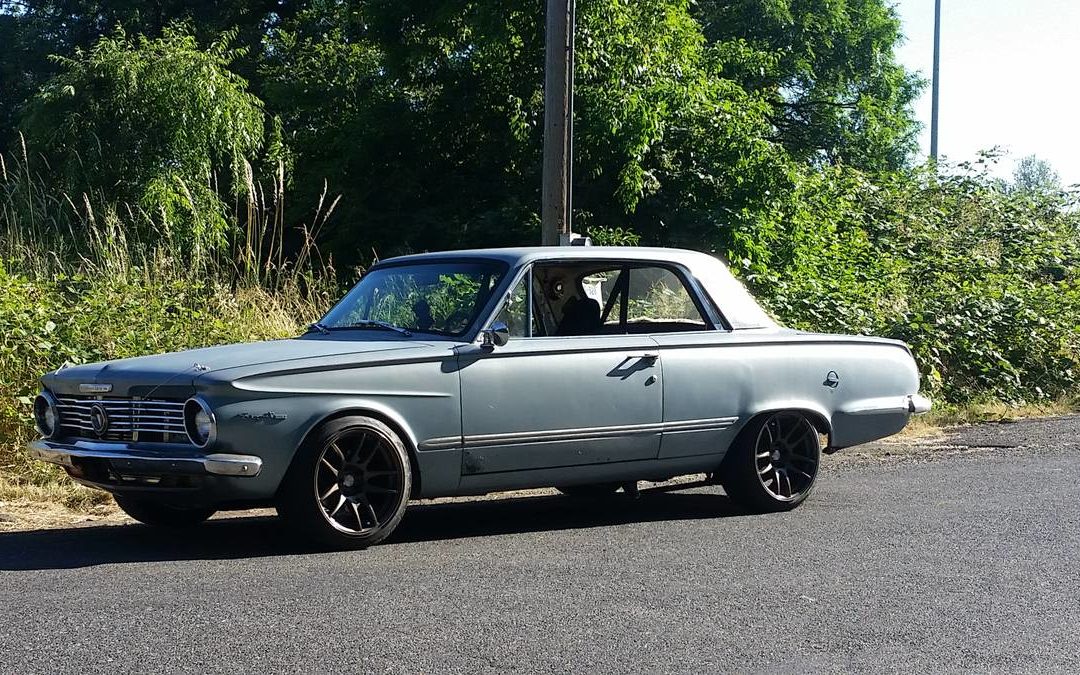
{"x": 942, "y": 417}
{"x": 64, "y": 503}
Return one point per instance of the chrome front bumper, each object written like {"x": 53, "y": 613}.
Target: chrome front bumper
{"x": 164, "y": 462}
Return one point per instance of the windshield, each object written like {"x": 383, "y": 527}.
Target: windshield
{"x": 443, "y": 298}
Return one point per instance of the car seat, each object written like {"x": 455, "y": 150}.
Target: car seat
{"x": 581, "y": 316}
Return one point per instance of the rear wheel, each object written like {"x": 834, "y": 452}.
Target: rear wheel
{"x": 590, "y": 491}
{"x": 155, "y": 513}
{"x": 773, "y": 464}
{"x": 349, "y": 485}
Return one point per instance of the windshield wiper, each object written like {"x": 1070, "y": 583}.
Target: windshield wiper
{"x": 317, "y": 327}
{"x": 373, "y": 323}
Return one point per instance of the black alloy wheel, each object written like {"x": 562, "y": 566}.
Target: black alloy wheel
{"x": 773, "y": 464}
{"x": 349, "y": 486}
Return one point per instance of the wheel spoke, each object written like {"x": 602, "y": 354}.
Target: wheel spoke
{"x": 793, "y": 435}
{"x": 369, "y": 456}
{"x": 355, "y": 453}
{"x": 331, "y": 490}
{"x": 379, "y": 474}
{"x": 376, "y": 490}
{"x": 804, "y": 459}
{"x": 330, "y": 466}
{"x": 337, "y": 450}
{"x": 766, "y": 470}
{"x": 371, "y": 511}
{"x": 801, "y": 473}
{"x": 356, "y": 513}
{"x": 341, "y": 502}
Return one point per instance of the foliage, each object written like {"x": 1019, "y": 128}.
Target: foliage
{"x": 1035, "y": 175}
{"x": 827, "y": 72}
{"x": 982, "y": 282}
{"x": 93, "y": 294}
{"x": 154, "y": 123}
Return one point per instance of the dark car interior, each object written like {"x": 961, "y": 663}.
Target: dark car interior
{"x": 612, "y": 299}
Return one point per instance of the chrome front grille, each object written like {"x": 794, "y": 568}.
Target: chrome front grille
{"x": 127, "y": 419}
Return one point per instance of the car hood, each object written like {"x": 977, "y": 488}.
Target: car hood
{"x": 174, "y": 373}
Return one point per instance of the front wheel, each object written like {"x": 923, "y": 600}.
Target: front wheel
{"x": 158, "y": 514}
{"x": 773, "y": 463}
{"x": 349, "y": 484}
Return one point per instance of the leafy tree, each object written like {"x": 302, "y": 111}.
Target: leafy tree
{"x": 828, "y": 71}
{"x": 1034, "y": 175}
{"x": 158, "y": 123}
{"x": 33, "y": 30}
{"x": 429, "y": 116}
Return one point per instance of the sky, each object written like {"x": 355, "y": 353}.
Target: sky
{"x": 1010, "y": 77}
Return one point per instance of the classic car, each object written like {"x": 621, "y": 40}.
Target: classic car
{"x": 582, "y": 368}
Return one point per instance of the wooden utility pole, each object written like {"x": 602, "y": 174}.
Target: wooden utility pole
{"x": 558, "y": 123}
{"x": 937, "y": 83}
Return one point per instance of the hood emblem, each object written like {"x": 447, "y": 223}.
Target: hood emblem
{"x": 94, "y": 388}
{"x": 99, "y": 419}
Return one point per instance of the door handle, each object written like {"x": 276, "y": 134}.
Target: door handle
{"x": 646, "y": 356}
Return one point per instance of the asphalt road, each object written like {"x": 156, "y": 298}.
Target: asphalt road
{"x": 960, "y": 556}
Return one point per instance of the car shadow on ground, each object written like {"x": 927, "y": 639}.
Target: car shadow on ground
{"x": 252, "y": 537}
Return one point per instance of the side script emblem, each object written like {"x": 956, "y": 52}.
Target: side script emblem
{"x": 94, "y": 388}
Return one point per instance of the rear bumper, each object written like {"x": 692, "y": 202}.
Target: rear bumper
{"x": 122, "y": 459}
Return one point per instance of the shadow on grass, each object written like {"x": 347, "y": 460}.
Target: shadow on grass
{"x": 252, "y": 537}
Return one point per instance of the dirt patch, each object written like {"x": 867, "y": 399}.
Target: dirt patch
{"x": 28, "y": 514}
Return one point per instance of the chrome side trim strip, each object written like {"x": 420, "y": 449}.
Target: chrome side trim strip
{"x": 578, "y": 434}
{"x": 700, "y": 425}
{"x": 552, "y": 435}
{"x": 442, "y": 443}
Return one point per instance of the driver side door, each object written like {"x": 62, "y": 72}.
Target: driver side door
{"x": 546, "y": 401}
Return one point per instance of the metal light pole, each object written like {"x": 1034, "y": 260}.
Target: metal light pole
{"x": 937, "y": 83}
{"x": 558, "y": 123}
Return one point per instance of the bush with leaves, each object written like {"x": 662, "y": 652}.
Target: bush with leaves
{"x": 981, "y": 281}
{"x": 159, "y": 124}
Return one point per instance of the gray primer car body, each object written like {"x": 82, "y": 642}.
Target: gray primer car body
{"x": 536, "y": 411}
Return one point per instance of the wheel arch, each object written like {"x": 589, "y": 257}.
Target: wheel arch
{"x": 817, "y": 416}
{"x": 384, "y": 415}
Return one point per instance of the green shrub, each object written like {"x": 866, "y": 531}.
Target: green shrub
{"x": 981, "y": 281}
{"x": 159, "y": 124}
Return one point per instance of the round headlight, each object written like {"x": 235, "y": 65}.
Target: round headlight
{"x": 46, "y": 414}
{"x": 199, "y": 422}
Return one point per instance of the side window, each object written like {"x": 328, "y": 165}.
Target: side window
{"x": 656, "y": 295}
{"x": 515, "y": 313}
{"x": 575, "y": 298}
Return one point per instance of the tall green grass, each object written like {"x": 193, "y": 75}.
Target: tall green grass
{"x": 76, "y": 288}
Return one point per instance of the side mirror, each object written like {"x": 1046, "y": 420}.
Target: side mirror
{"x": 495, "y": 336}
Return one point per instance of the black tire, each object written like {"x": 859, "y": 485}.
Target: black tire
{"x": 773, "y": 464}
{"x": 590, "y": 491}
{"x": 348, "y": 486}
{"x": 157, "y": 514}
